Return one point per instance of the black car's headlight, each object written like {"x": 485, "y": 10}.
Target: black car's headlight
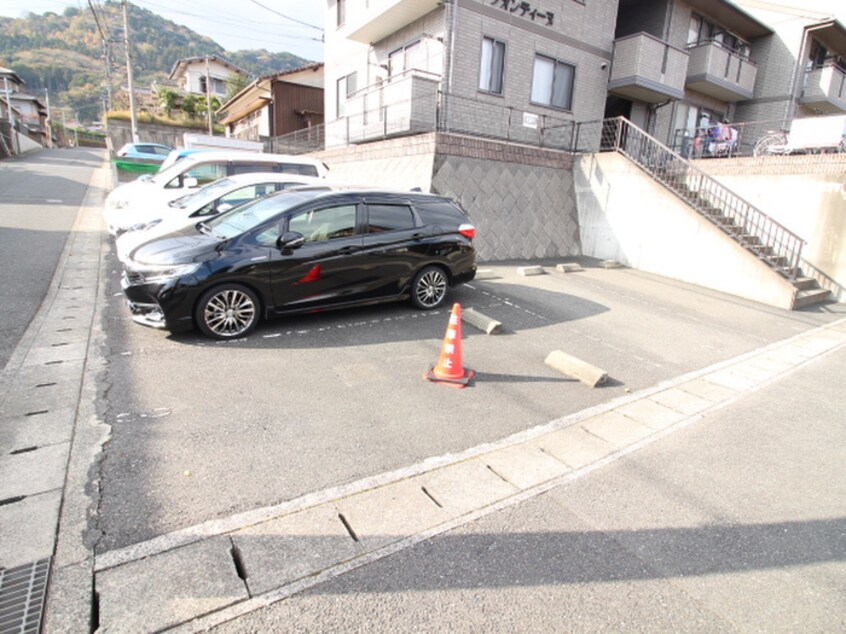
{"x": 160, "y": 273}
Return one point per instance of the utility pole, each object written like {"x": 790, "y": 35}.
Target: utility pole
{"x": 65, "y": 129}
{"x": 14, "y": 137}
{"x": 108, "y": 56}
{"x": 132, "y": 116}
{"x": 208, "y": 97}
{"x": 48, "y": 122}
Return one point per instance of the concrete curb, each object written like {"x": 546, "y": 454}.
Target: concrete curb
{"x": 69, "y": 596}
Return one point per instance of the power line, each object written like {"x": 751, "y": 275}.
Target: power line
{"x": 287, "y": 17}
{"x": 207, "y": 11}
{"x": 228, "y": 19}
{"x": 97, "y": 20}
{"x": 207, "y": 16}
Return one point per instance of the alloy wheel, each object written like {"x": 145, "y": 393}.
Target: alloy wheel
{"x": 229, "y": 313}
{"x": 431, "y": 288}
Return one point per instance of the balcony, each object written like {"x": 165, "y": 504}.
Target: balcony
{"x": 647, "y": 69}
{"x": 403, "y": 105}
{"x": 370, "y": 21}
{"x": 718, "y": 72}
{"x": 825, "y": 90}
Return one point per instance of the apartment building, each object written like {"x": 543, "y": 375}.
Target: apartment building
{"x": 805, "y": 70}
{"x": 682, "y": 66}
{"x": 504, "y": 68}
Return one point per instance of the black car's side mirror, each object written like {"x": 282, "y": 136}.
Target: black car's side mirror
{"x": 290, "y": 240}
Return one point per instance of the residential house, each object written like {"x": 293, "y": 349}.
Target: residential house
{"x": 28, "y": 112}
{"x": 276, "y": 104}
{"x": 193, "y": 73}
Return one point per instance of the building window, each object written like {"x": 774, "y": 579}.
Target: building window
{"x": 218, "y": 86}
{"x": 552, "y": 83}
{"x": 492, "y": 66}
{"x": 345, "y": 86}
{"x": 410, "y": 56}
{"x": 701, "y": 31}
{"x": 341, "y": 12}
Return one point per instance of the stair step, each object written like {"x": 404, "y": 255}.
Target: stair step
{"x": 805, "y": 283}
{"x": 811, "y": 297}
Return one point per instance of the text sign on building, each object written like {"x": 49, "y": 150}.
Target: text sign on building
{"x": 525, "y": 10}
{"x": 530, "y": 120}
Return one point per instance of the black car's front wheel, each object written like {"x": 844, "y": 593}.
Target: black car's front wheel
{"x": 429, "y": 287}
{"x": 227, "y": 312}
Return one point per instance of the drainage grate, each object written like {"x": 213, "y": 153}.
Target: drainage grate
{"x": 22, "y": 591}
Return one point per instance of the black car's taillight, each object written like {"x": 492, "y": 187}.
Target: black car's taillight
{"x": 468, "y": 231}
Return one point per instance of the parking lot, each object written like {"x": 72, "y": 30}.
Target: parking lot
{"x": 202, "y": 430}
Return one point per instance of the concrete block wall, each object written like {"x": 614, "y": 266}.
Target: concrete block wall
{"x": 520, "y": 198}
{"x": 120, "y": 132}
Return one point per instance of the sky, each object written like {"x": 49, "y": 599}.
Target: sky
{"x": 837, "y": 8}
{"x": 242, "y": 24}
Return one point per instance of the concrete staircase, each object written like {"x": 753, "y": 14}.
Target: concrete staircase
{"x": 744, "y": 223}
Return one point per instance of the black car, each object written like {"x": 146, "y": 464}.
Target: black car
{"x": 302, "y": 250}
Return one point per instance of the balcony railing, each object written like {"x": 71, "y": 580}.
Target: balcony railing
{"x": 413, "y": 104}
{"x": 825, "y": 89}
{"x": 647, "y": 69}
{"x": 716, "y": 71}
{"x": 771, "y": 242}
{"x": 399, "y": 106}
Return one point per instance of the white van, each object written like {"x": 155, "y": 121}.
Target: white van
{"x": 204, "y": 167}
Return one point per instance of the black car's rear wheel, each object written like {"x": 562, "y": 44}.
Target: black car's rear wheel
{"x": 227, "y": 312}
{"x": 429, "y": 288}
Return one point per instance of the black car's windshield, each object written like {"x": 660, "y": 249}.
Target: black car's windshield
{"x": 250, "y": 215}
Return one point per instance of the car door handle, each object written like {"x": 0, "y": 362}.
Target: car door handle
{"x": 350, "y": 249}
{"x": 418, "y": 236}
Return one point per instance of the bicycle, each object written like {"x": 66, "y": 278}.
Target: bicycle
{"x": 773, "y": 142}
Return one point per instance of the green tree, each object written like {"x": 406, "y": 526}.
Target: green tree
{"x": 235, "y": 83}
{"x": 168, "y": 99}
{"x": 190, "y": 105}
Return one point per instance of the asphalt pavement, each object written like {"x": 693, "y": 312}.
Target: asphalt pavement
{"x": 737, "y": 523}
{"x": 700, "y": 490}
{"x": 40, "y": 195}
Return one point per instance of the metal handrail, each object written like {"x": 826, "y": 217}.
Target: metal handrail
{"x": 770, "y": 241}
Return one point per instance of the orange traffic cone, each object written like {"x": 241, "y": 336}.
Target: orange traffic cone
{"x": 449, "y": 370}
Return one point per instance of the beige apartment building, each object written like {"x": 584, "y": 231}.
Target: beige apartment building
{"x": 496, "y": 102}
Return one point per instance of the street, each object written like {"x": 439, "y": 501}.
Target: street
{"x": 178, "y": 450}
{"x": 39, "y": 198}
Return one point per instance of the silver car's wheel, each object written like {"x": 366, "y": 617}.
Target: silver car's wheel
{"x": 429, "y": 288}
{"x": 228, "y": 311}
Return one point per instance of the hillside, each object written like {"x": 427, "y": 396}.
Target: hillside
{"x": 65, "y": 53}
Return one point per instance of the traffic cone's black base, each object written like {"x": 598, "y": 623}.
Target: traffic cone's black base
{"x": 462, "y": 382}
